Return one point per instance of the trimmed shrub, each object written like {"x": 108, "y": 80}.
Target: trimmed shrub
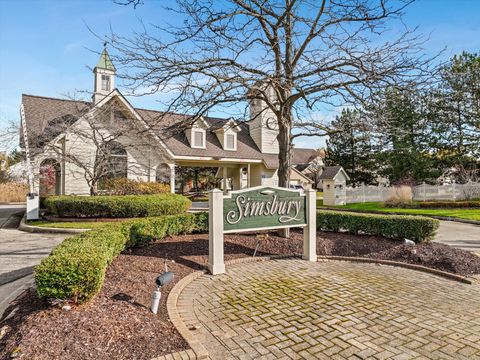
{"x": 75, "y": 270}
{"x": 127, "y": 206}
{"x": 123, "y": 186}
{"x": 446, "y": 204}
{"x": 416, "y": 228}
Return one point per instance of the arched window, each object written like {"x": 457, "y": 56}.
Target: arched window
{"x": 111, "y": 163}
{"x": 50, "y": 177}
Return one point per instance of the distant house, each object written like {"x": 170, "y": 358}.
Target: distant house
{"x": 334, "y": 181}
{"x": 245, "y": 153}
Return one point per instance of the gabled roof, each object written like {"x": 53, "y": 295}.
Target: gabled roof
{"x": 304, "y": 156}
{"x": 42, "y": 113}
{"x": 105, "y": 62}
{"x": 331, "y": 172}
{"x": 45, "y": 117}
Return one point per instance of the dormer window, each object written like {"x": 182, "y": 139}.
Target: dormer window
{"x": 198, "y": 139}
{"x": 197, "y": 134}
{"x": 230, "y": 141}
{"x": 227, "y": 135}
{"x": 106, "y": 82}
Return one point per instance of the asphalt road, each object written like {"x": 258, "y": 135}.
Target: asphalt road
{"x": 19, "y": 253}
{"x": 460, "y": 235}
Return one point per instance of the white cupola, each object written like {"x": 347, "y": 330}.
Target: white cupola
{"x": 104, "y": 77}
{"x": 263, "y": 123}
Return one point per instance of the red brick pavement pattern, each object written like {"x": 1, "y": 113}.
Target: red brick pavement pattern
{"x": 292, "y": 309}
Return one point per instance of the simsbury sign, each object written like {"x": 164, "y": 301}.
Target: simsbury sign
{"x": 259, "y": 208}
{"x": 263, "y": 208}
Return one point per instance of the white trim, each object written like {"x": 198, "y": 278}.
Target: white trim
{"x": 302, "y": 175}
{"x": 206, "y": 158}
{"x": 134, "y": 112}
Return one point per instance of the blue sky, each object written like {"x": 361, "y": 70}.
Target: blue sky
{"x": 46, "y": 48}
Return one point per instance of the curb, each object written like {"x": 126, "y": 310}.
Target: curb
{"x": 445, "y": 218}
{"x": 47, "y": 230}
{"x": 195, "y": 345}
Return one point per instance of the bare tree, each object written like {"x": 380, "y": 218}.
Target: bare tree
{"x": 311, "y": 53}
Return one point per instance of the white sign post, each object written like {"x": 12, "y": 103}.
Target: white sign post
{"x": 310, "y": 231}
{"x": 259, "y": 208}
{"x": 215, "y": 232}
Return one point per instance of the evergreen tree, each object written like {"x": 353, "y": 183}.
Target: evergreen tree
{"x": 350, "y": 146}
{"x": 457, "y": 112}
{"x": 404, "y": 129}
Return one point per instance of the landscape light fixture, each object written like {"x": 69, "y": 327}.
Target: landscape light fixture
{"x": 163, "y": 279}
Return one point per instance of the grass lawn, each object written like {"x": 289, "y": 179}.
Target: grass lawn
{"x": 67, "y": 224}
{"x": 470, "y": 214}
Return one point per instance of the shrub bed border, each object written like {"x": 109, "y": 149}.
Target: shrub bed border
{"x": 375, "y": 212}
{"x": 76, "y": 268}
{"x": 379, "y": 225}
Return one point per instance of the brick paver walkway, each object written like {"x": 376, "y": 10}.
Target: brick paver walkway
{"x": 331, "y": 310}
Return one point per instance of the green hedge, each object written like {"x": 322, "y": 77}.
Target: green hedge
{"x": 76, "y": 268}
{"x": 416, "y": 228}
{"x": 446, "y": 204}
{"x": 125, "y": 206}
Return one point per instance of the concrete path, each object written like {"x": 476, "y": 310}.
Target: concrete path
{"x": 460, "y": 235}
{"x": 294, "y": 309}
{"x": 19, "y": 253}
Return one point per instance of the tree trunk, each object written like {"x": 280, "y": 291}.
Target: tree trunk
{"x": 284, "y": 154}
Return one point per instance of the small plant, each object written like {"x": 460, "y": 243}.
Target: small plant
{"x": 124, "y": 186}
{"x": 399, "y": 196}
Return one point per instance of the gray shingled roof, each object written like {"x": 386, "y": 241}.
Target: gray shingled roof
{"x": 45, "y": 115}
{"x": 330, "y": 172}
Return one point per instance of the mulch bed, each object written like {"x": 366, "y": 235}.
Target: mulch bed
{"x": 117, "y": 323}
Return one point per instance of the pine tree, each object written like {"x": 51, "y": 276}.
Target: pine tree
{"x": 350, "y": 146}
{"x": 404, "y": 129}
{"x": 457, "y": 111}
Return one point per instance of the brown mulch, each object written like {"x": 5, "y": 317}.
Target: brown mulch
{"x": 117, "y": 323}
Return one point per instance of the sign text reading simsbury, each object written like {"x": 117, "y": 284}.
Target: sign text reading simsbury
{"x": 263, "y": 208}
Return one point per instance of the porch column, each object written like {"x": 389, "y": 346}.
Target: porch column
{"x": 172, "y": 178}
{"x": 224, "y": 179}
{"x": 248, "y": 175}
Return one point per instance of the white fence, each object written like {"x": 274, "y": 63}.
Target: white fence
{"x": 423, "y": 192}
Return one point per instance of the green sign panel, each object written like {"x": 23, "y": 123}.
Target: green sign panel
{"x": 263, "y": 207}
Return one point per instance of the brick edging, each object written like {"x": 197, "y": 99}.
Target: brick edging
{"x": 398, "y": 264}
{"x": 195, "y": 345}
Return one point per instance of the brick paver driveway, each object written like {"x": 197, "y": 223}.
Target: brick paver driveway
{"x": 332, "y": 310}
